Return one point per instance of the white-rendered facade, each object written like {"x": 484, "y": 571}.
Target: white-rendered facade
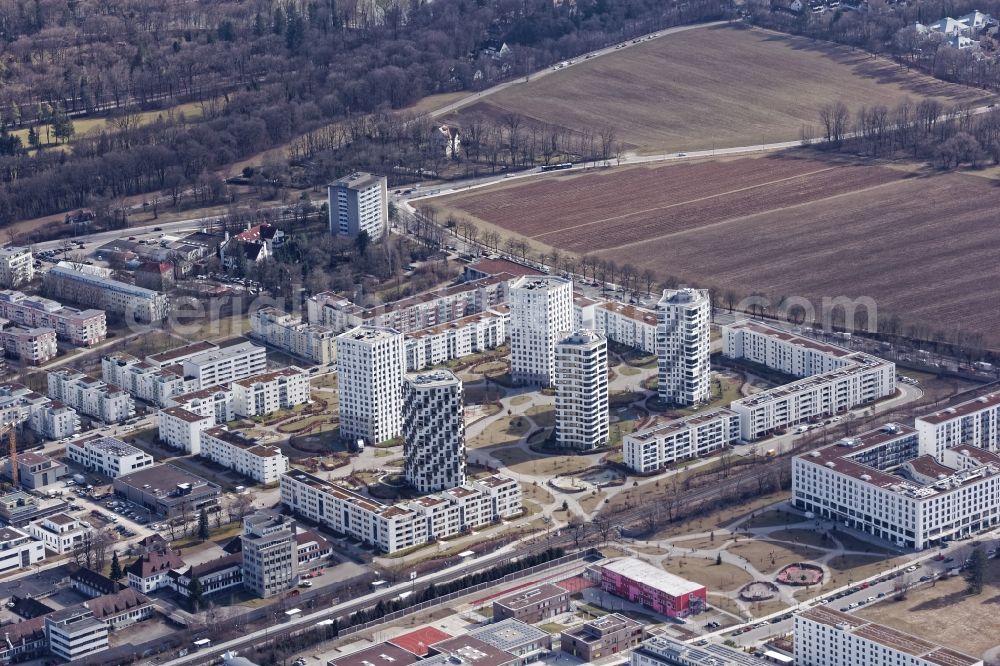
{"x": 263, "y": 464}
{"x": 16, "y": 266}
{"x": 975, "y": 422}
{"x": 683, "y": 341}
{"x": 358, "y": 202}
{"x": 370, "y": 367}
{"x": 581, "y": 383}
{"x": 827, "y": 637}
{"x": 878, "y": 482}
{"x": 263, "y": 394}
{"x": 32, "y": 346}
{"x": 18, "y": 550}
{"x": 75, "y": 633}
{"x": 627, "y": 325}
{"x": 288, "y": 332}
{"x": 391, "y": 528}
{"x": 227, "y": 364}
{"x": 49, "y": 418}
{"x": 108, "y": 456}
{"x": 433, "y": 431}
{"x": 462, "y": 337}
{"x": 541, "y": 307}
{"x": 93, "y": 397}
{"x": 214, "y": 401}
{"x": 181, "y": 428}
{"x": 648, "y": 450}
{"x": 144, "y": 381}
{"x": 60, "y": 533}
{"x": 780, "y": 350}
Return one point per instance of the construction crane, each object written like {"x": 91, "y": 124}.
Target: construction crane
{"x": 11, "y": 428}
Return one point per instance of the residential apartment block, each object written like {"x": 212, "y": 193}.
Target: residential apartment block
{"x": 143, "y": 380}
{"x": 627, "y": 325}
{"x": 107, "y": 455}
{"x": 540, "y": 309}
{"x": 17, "y": 266}
{"x": 18, "y": 550}
{"x": 683, "y": 343}
{"x": 118, "y": 298}
{"x": 393, "y": 527}
{"x": 33, "y": 346}
{"x": 93, "y": 397}
{"x": 358, "y": 203}
{"x": 181, "y": 429}
{"x": 270, "y": 554}
{"x": 83, "y": 328}
{"x": 880, "y": 483}
{"x": 433, "y": 431}
{"x": 279, "y": 329}
{"x": 215, "y": 402}
{"x": 827, "y": 637}
{"x": 225, "y": 364}
{"x": 780, "y": 350}
{"x": 533, "y": 605}
{"x": 230, "y": 448}
{"x": 413, "y": 313}
{"x": 581, "y": 383}
{"x": 370, "y": 366}
{"x": 455, "y": 339}
{"x": 650, "y": 449}
{"x": 60, "y": 532}
{"x": 46, "y": 417}
{"x": 975, "y": 422}
{"x": 268, "y": 392}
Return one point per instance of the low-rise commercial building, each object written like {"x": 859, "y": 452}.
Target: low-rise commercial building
{"x": 602, "y": 637}
{"x": 533, "y": 605}
{"x": 651, "y": 586}
{"x": 18, "y": 550}
{"x": 650, "y": 449}
{"x": 107, "y": 455}
{"x": 279, "y": 329}
{"x": 88, "y": 395}
{"x": 407, "y": 523}
{"x": 83, "y": 328}
{"x": 230, "y": 448}
{"x": 827, "y": 637}
{"x": 32, "y": 346}
{"x": 134, "y": 303}
{"x": 35, "y": 471}
{"x": 60, "y": 532}
{"x": 268, "y": 392}
{"x": 19, "y": 508}
{"x": 167, "y": 490}
{"x": 878, "y": 482}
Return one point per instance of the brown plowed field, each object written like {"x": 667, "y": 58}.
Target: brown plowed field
{"x": 924, "y": 247}
{"x": 721, "y": 86}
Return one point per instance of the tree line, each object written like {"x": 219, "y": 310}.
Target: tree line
{"x": 261, "y": 74}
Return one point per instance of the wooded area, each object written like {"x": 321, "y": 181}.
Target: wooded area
{"x": 262, "y": 73}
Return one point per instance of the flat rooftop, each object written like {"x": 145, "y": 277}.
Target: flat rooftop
{"x": 499, "y": 265}
{"x": 496, "y": 312}
{"x": 223, "y": 353}
{"x": 181, "y": 352}
{"x": 510, "y": 634}
{"x": 471, "y": 650}
{"x": 384, "y": 654}
{"x": 988, "y": 401}
{"x": 266, "y": 377}
{"x": 791, "y": 338}
{"x": 370, "y": 334}
{"x": 647, "y": 574}
{"x": 888, "y": 637}
{"x": 862, "y": 363}
{"x": 666, "y": 428}
{"x": 525, "y": 598}
{"x": 539, "y": 282}
{"x": 357, "y": 180}
{"x": 184, "y": 415}
{"x": 432, "y": 378}
{"x": 631, "y": 312}
{"x": 162, "y": 480}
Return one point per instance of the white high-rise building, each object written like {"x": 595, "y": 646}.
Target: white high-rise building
{"x": 683, "y": 341}
{"x": 359, "y": 202}
{"x": 581, "y": 382}
{"x": 541, "y": 307}
{"x": 433, "y": 431}
{"x": 370, "y": 366}
{"x": 16, "y": 266}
